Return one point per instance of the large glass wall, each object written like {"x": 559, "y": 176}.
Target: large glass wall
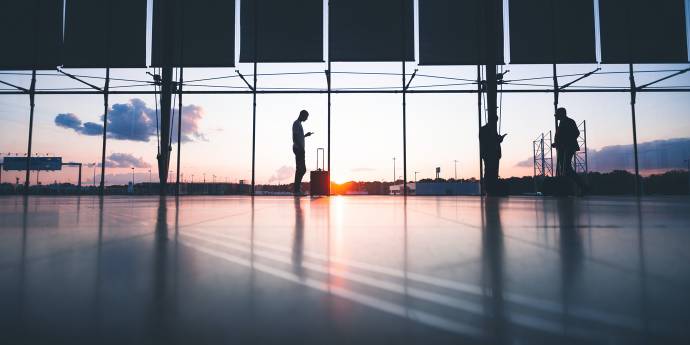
{"x": 73, "y": 131}
{"x": 14, "y": 132}
{"x": 442, "y": 133}
{"x": 367, "y": 138}
{"x": 663, "y": 133}
{"x": 442, "y": 127}
{"x": 366, "y": 129}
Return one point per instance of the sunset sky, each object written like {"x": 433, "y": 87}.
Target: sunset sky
{"x": 366, "y": 128}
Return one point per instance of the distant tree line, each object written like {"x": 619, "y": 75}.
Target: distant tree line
{"x": 617, "y": 182}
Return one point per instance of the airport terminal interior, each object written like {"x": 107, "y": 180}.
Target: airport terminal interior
{"x": 344, "y": 270}
{"x": 490, "y": 172}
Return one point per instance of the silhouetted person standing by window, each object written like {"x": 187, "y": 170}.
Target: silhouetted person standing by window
{"x": 490, "y": 151}
{"x": 565, "y": 142}
{"x": 298, "y": 148}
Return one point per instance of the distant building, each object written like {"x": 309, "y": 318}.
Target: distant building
{"x": 396, "y": 189}
{"x": 447, "y": 188}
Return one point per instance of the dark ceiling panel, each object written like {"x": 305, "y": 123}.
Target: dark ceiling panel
{"x": 452, "y": 32}
{"x": 643, "y": 31}
{"x": 30, "y": 34}
{"x": 203, "y": 33}
{"x": 105, "y": 33}
{"x": 366, "y": 30}
{"x": 552, "y": 31}
{"x": 289, "y": 31}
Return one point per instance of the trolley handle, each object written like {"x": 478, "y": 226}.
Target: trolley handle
{"x": 323, "y": 154}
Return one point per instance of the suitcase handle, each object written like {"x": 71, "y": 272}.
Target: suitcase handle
{"x": 323, "y": 154}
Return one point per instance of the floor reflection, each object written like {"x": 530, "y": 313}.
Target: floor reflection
{"x": 298, "y": 239}
{"x": 96, "y": 318}
{"x": 571, "y": 254}
{"x": 642, "y": 270}
{"x": 492, "y": 269}
{"x": 164, "y": 276}
{"x": 315, "y": 270}
{"x": 20, "y": 303}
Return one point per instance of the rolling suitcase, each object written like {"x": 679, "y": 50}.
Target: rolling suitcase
{"x": 319, "y": 180}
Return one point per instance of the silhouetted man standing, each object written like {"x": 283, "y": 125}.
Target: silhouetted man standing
{"x": 565, "y": 142}
{"x": 490, "y": 151}
{"x": 298, "y": 148}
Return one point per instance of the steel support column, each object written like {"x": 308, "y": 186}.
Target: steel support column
{"x": 556, "y": 90}
{"x": 256, "y": 42}
{"x": 106, "y": 105}
{"x": 491, "y": 57}
{"x": 166, "y": 102}
{"x": 534, "y": 165}
{"x": 328, "y": 93}
{"x": 32, "y": 106}
{"x": 479, "y": 122}
{"x": 633, "y": 99}
{"x": 404, "y": 129}
{"x": 166, "y": 97}
{"x": 179, "y": 131}
{"x": 328, "y": 134}
{"x": 404, "y": 96}
{"x": 106, "y": 86}
{"x": 181, "y": 20}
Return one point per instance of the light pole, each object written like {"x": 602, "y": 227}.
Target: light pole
{"x": 192, "y": 178}
{"x": 94, "y": 174}
{"x": 394, "y": 170}
{"x": 132, "y": 179}
{"x": 150, "y": 185}
{"x": 415, "y": 177}
{"x": 456, "y": 168}
{"x": 205, "y": 187}
{"x": 214, "y": 178}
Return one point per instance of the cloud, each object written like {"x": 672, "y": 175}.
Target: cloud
{"x": 91, "y": 128}
{"x": 527, "y": 163}
{"x": 131, "y": 121}
{"x": 68, "y": 120}
{"x": 135, "y": 121}
{"x": 654, "y": 155}
{"x": 125, "y": 160}
{"x": 71, "y": 121}
{"x": 283, "y": 173}
{"x": 191, "y": 116}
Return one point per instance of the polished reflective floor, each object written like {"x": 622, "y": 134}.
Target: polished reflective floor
{"x": 344, "y": 270}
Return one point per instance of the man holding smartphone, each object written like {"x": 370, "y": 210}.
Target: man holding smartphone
{"x": 298, "y": 136}
{"x": 565, "y": 143}
{"x": 490, "y": 152}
